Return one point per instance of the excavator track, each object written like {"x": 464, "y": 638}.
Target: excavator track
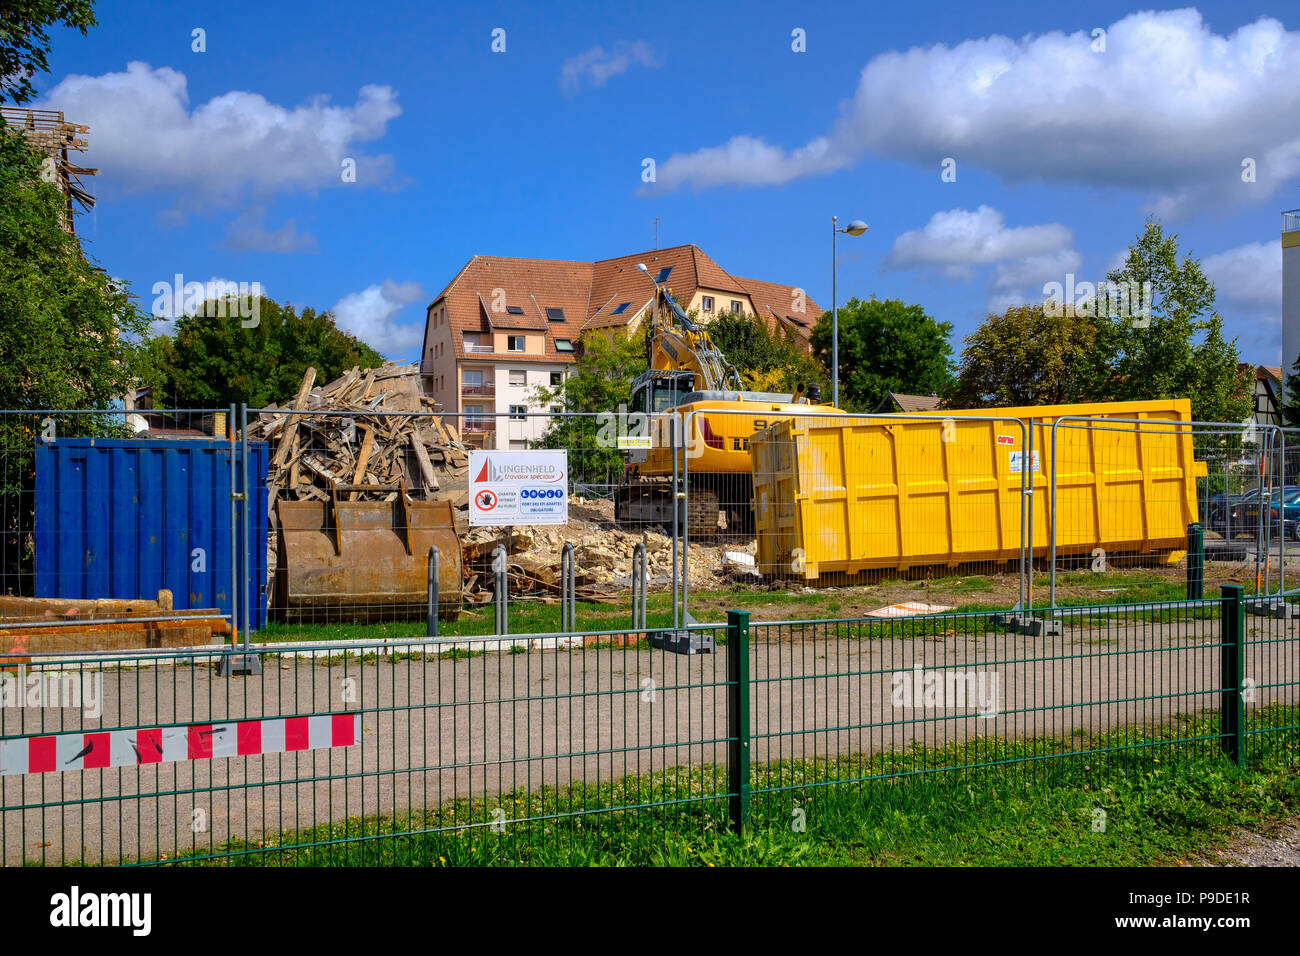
{"x": 644, "y": 501}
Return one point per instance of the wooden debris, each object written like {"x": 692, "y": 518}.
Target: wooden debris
{"x": 358, "y": 444}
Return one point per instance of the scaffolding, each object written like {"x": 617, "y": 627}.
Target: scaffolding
{"x": 49, "y": 132}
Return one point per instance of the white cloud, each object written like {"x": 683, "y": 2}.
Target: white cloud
{"x": 369, "y": 315}
{"x": 597, "y": 66}
{"x": 1248, "y": 277}
{"x": 1170, "y": 108}
{"x": 957, "y": 240}
{"x": 248, "y": 233}
{"x": 145, "y": 138}
{"x": 1248, "y": 283}
{"x": 1034, "y": 271}
{"x": 746, "y": 161}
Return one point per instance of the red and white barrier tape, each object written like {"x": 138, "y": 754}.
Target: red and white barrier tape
{"x": 128, "y": 748}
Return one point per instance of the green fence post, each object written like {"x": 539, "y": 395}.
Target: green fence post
{"x": 1195, "y": 562}
{"x": 1232, "y": 659}
{"x": 738, "y": 717}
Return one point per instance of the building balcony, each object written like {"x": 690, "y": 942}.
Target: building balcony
{"x": 487, "y": 390}
{"x": 478, "y": 348}
{"x": 478, "y": 425}
{"x": 1291, "y": 220}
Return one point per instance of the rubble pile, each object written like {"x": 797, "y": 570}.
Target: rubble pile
{"x": 335, "y": 442}
{"x": 603, "y": 555}
{"x": 357, "y": 450}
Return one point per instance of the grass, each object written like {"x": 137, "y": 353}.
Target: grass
{"x": 967, "y": 618}
{"x": 1126, "y": 798}
{"x": 534, "y": 617}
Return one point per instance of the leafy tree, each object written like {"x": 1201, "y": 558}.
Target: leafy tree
{"x": 768, "y": 360}
{"x": 886, "y": 346}
{"x": 66, "y": 341}
{"x": 1181, "y": 353}
{"x": 1027, "y": 357}
{"x": 24, "y": 44}
{"x": 1291, "y": 406}
{"x": 210, "y": 361}
{"x": 66, "y": 328}
{"x": 1168, "y": 344}
{"x": 599, "y": 384}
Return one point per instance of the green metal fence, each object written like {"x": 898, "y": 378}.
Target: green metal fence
{"x": 600, "y": 745}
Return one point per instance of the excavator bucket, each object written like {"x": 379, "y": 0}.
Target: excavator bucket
{"x": 364, "y": 560}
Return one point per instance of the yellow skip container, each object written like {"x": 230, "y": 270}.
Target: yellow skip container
{"x": 853, "y": 494}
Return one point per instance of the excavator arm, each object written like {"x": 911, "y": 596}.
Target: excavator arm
{"x": 675, "y": 343}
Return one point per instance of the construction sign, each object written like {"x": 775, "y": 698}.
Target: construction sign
{"x": 518, "y": 487}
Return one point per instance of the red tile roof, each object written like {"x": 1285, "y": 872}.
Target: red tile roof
{"x": 588, "y": 292}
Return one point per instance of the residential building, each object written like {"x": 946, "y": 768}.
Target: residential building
{"x": 1267, "y": 395}
{"x": 902, "y": 402}
{"x": 505, "y": 327}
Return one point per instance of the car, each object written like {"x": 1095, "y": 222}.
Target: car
{"x": 1219, "y": 507}
{"x": 1290, "y": 515}
{"x": 1246, "y": 513}
{"x": 1237, "y": 513}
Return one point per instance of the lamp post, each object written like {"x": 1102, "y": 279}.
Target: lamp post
{"x": 855, "y": 228}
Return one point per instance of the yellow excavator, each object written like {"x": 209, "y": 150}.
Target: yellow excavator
{"x": 688, "y": 373}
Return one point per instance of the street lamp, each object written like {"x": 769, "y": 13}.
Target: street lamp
{"x": 855, "y": 228}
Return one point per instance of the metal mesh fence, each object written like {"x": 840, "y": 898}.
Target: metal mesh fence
{"x": 365, "y": 753}
{"x": 603, "y": 747}
{"x": 1138, "y": 494}
{"x": 869, "y": 699}
{"x": 116, "y": 528}
{"x": 356, "y": 499}
{"x": 848, "y": 500}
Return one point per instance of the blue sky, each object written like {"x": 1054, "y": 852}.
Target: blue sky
{"x": 227, "y": 162}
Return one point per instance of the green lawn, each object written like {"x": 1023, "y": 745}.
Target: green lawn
{"x": 964, "y": 593}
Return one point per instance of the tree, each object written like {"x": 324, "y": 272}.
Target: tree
{"x": 1180, "y": 352}
{"x": 1161, "y": 339}
{"x": 1027, "y": 357}
{"x": 886, "y": 346}
{"x": 66, "y": 342}
{"x": 768, "y": 360}
{"x": 1291, "y": 406}
{"x": 211, "y": 361}
{"x": 600, "y": 384}
{"x": 67, "y": 331}
{"x": 24, "y": 44}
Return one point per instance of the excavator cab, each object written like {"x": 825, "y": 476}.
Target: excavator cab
{"x": 659, "y": 390}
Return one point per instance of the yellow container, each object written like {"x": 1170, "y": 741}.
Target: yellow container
{"x": 869, "y": 493}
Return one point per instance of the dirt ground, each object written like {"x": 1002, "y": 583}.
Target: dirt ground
{"x": 998, "y": 589}
{"x": 1279, "y": 846}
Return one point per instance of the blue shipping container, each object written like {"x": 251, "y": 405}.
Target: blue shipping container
{"x": 127, "y": 518}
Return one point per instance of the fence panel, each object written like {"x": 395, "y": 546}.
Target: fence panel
{"x": 117, "y": 528}
{"x": 357, "y": 496}
{"x": 1154, "y": 480}
{"x": 406, "y": 752}
{"x": 845, "y": 500}
{"x": 845, "y": 701}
